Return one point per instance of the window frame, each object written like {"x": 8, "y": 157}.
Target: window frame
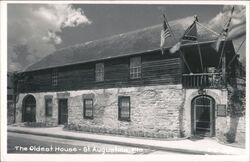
{"x": 47, "y": 98}
{"x": 135, "y": 71}
{"x": 99, "y": 72}
{"x": 84, "y": 108}
{"x": 120, "y": 98}
{"x": 54, "y": 77}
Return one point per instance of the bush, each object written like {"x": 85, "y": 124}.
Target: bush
{"x": 230, "y": 137}
{"x": 38, "y": 124}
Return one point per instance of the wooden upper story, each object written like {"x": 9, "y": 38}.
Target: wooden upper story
{"x": 139, "y": 70}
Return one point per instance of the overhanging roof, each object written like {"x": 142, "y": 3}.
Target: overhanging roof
{"x": 139, "y": 41}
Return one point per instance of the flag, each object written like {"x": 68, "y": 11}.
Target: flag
{"x": 189, "y": 35}
{"x": 165, "y": 33}
{"x": 224, "y": 33}
{"x": 175, "y": 48}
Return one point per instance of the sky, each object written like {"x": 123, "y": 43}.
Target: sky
{"x": 36, "y": 30}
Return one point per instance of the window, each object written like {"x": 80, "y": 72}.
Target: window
{"x": 99, "y": 72}
{"x": 124, "y": 108}
{"x": 88, "y": 108}
{"x": 54, "y": 77}
{"x": 48, "y": 106}
{"x": 135, "y": 67}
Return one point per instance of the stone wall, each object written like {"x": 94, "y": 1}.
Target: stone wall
{"x": 232, "y": 130}
{"x": 154, "y": 110}
{"x": 40, "y": 108}
{"x": 240, "y": 131}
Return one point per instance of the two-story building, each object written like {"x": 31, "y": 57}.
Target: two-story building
{"x": 124, "y": 85}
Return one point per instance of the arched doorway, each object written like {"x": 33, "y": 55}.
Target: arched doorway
{"x": 29, "y": 109}
{"x": 203, "y": 116}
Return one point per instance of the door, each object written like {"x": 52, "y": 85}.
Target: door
{"x": 203, "y": 116}
{"x": 29, "y": 109}
{"x": 63, "y": 111}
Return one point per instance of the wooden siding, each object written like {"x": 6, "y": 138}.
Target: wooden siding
{"x": 156, "y": 69}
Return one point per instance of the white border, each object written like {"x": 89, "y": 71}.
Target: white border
{"x": 78, "y": 157}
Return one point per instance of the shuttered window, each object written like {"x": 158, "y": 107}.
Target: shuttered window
{"x": 135, "y": 67}
{"x": 88, "y": 108}
{"x": 99, "y": 72}
{"x": 124, "y": 108}
{"x": 54, "y": 77}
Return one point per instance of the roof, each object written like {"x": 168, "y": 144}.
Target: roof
{"x": 138, "y": 41}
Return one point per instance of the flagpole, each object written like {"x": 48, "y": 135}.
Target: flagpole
{"x": 225, "y": 34}
{"x": 169, "y": 27}
{"x": 182, "y": 55}
{"x": 224, "y": 43}
{"x": 222, "y": 53}
{"x": 198, "y": 45}
{"x": 199, "y": 50}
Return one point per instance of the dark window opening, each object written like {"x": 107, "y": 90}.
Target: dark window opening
{"x": 88, "y": 108}
{"x": 124, "y": 108}
{"x": 48, "y": 106}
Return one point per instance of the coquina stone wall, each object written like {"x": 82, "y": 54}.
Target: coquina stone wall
{"x": 40, "y": 108}
{"x": 155, "y": 110}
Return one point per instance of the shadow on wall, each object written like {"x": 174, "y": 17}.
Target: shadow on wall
{"x": 232, "y": 132}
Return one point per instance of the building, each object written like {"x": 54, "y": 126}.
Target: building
{"x": 124, "y": 85}
{"x": 10, "y": 99}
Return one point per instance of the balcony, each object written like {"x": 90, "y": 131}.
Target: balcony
{"x": 203, "y": 80}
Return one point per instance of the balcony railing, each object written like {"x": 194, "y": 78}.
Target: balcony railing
{"x": 202, "y": 80}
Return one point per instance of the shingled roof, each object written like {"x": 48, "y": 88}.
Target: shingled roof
{"x": 138, "y": 41}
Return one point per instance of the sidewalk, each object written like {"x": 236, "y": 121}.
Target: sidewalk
{"x": 201, "y": 146}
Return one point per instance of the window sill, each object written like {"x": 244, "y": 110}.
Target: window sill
{"x": 88, "y": 118}
{"x": 135, "y": 78}
{"x": 125, "y": 120}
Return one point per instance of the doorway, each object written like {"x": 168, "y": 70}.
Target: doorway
{"x": 29, "y": 109}
{"x": 203, "y": 116}
{"x": 63, "y": 111}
